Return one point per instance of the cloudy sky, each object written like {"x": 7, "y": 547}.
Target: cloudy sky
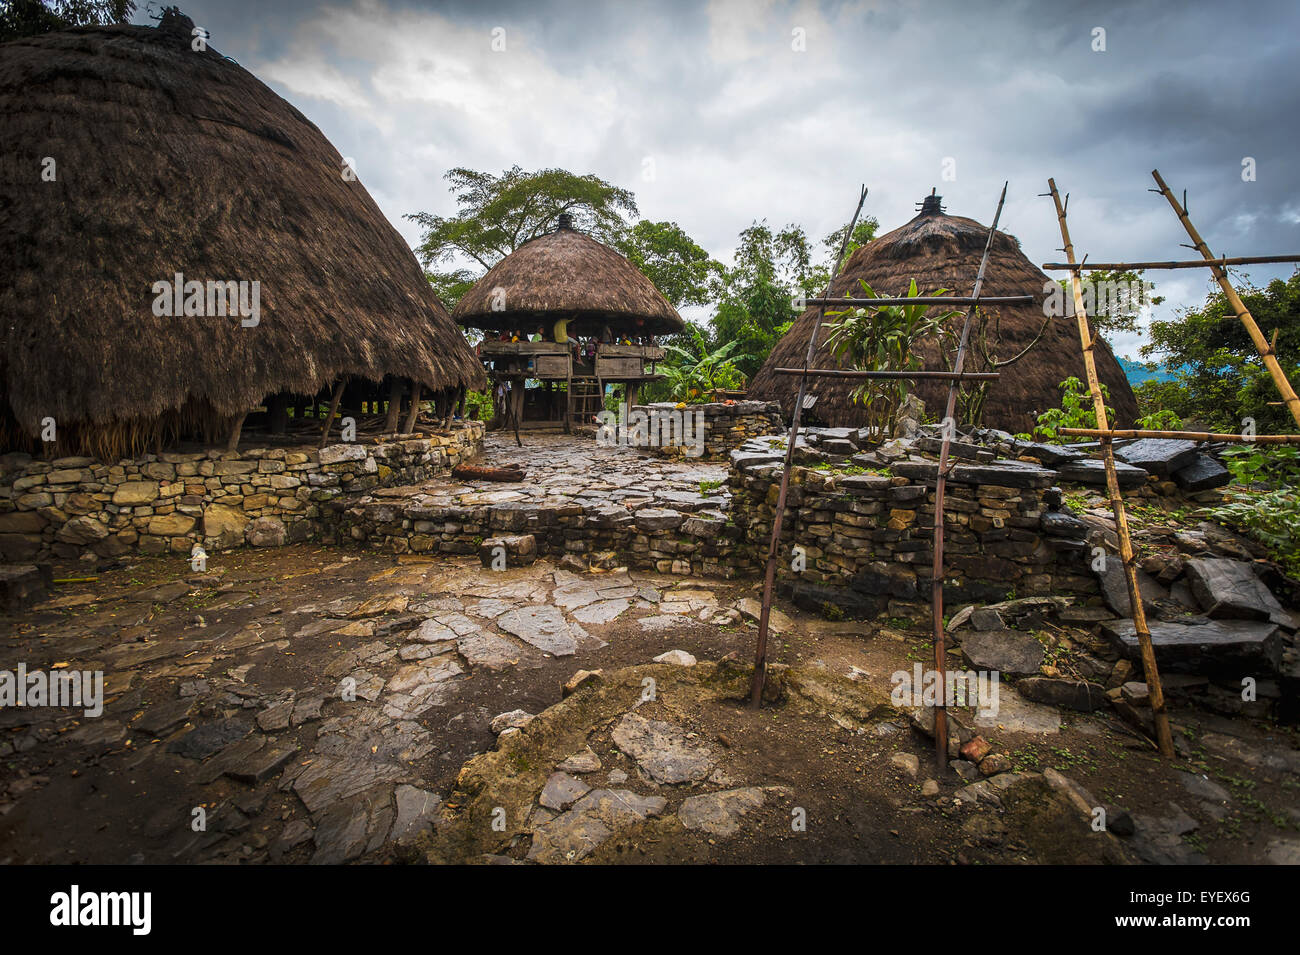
{"x": 717, "y": 114}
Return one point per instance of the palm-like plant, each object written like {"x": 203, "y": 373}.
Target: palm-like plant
{"x": 699, "y": 369}
{"x": 883, "y": 339}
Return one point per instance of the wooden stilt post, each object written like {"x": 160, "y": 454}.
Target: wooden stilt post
{"x": 773, "y": 549}
{"x": 413, "y": 415}
{"x": 394, "y": 406}
{"x": 334, "y": 410}
{"x": 1155, "y": 691}
{"x": 232, "y": 443}
{"x": 1262, "y": 344}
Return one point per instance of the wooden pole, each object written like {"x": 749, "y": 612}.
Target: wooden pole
{"x": 778, "y": 518}
{"x": 940, "y": 488}
{"x": 1156, "y": 692}
{"x": 1161, "y": 266}
{"x": 232, "y": 443}
{"x": 909, "y": 375}
{"x": 1262, "y": 344}
{"x": 1183, "y": 435}
{"x": 394, "y": 405}
{"x": 334, "y": 409}
{"x": 413, "y": 414}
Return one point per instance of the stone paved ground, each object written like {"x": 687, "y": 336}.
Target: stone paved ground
{"x": 316, "y": 704}
{"x": 563, "y": 469}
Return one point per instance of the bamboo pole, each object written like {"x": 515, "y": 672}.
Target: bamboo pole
{"x": 1184, "y": 435}
{"x": 1164, "y": 740}
{"x": 334, "y": 409}
{"x": 927, "y": 375}
{"x": 926, "y": 299}
{"x": 1262, "y": 344}
{"x": 940, "y": 489}
{"x": 778, "y": 518}
{"x": 1161, "y": 266}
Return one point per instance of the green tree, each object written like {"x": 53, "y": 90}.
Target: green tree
{"x": 497, "y": 214}
{"x": 19, "y": 18}
{"x": 1113, "y": 300}
{"x": 1223, "y": 380}
{"x": 672, "y": 260}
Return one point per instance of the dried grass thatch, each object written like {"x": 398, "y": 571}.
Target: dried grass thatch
{"x": 170, "y": 160}
{"x": 567, "y": 274}
{"x": 943, "y": 251}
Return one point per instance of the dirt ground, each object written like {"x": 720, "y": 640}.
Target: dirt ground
{"x": 317, "y": 704}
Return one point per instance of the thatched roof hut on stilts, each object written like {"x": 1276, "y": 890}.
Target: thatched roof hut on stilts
{"x": 595, "y": 316}
{"x": 942, "y": 251}
{"x": 140, "y": 176}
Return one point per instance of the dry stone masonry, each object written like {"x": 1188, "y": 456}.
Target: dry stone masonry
{"x": 167, "y": 503}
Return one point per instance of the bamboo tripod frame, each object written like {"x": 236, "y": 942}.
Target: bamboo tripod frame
{"x": 1164, "y": 740}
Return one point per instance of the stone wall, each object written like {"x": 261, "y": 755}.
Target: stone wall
{"x": 670, "y": 541}
{"x": 726, "y": 425}
{"x": 866, "y": 538}
{"x": 166, "y": 503}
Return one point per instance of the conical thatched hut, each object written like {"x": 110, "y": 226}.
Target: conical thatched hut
{"x": 594, "y": 317}
{"x": 943, "y": 251}
{"x": 134, "y": 162}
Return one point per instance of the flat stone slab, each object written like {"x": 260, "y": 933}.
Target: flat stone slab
{"x": 1160, "y": 456}
{"x": 1071, "y": 694}
{"x": 595, "y": 817}
{"x": 208, "y": 738}
{"x": 662, "y": 750}
{"x": 1209, "y": 645}
{"x": 561, "y": 791}
{"x": 1003, "y": 651}
{"x": 1018, "y": 474}
{"x": 416, "y": 811}
{"x": 1092, "y": 471}
{"x": 488, "y": 650}
{"x": 1203, "y": 474}
{"x": 1018, "y": 715}
{"x": 719, "y": 813}
{"x": 1230, "y": 589}
{"x": 543, "y": 627}
{"x": 602, "y": 611}
{"x": 1114, "y": 587}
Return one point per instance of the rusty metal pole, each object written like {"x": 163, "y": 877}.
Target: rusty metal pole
{"x": 949, "y": 426}
{"x": 1163, "y": 738}
{"x": 1262, "y": 344}
{"x": 773, "y": 550}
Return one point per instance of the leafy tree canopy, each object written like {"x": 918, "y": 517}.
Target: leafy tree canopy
{"x": 19, "y": 18}
{"x": 1224, "y": 381}
{"x": 672, "y": 260}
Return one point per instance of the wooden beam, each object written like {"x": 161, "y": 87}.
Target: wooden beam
{"x": 1160, "y": 266}
{"x": 1184, "y": 435}
{"x": 1164, "y": 741}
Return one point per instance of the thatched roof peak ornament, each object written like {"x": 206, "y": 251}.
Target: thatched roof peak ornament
{"x": 931, "y": 205}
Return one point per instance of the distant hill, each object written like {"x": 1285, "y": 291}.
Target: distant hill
{"x": 1138, "y": 372}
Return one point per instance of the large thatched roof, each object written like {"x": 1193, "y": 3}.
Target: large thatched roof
{"x": 170, "y": 160}
{"x": 567, "y": 274}
{"x": 943, "y": 251}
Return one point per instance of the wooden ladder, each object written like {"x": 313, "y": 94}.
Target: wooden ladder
{"x": 586, "y": 398}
